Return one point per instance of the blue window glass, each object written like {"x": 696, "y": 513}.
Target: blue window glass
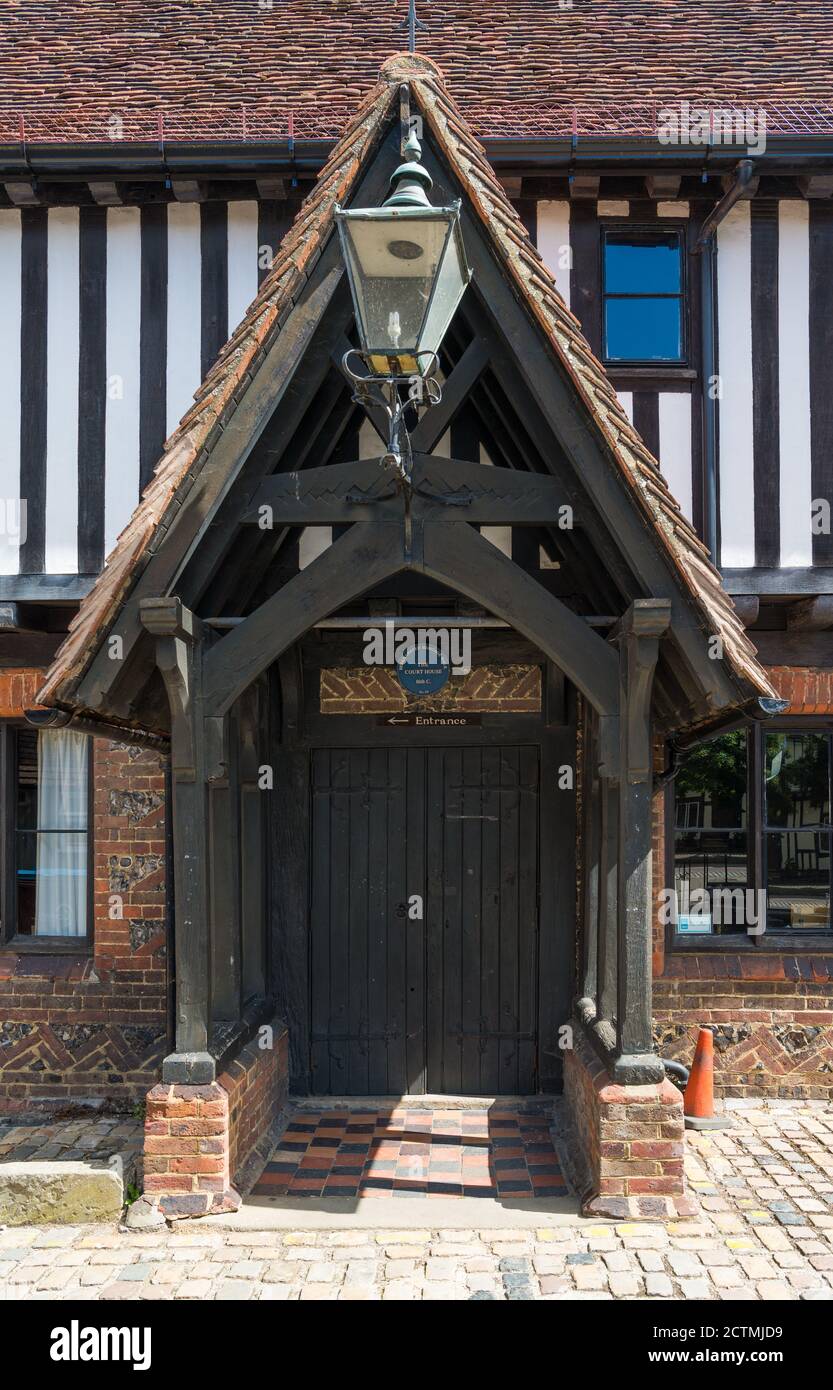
{"x": 643, "y": 296}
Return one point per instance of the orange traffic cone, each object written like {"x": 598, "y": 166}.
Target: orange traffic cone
{"x": 698, "y": 1097}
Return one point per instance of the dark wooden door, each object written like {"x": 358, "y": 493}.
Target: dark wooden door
{"x": 367, "y": 967}
{"x": 482, "y": 920}
{"x": 424, "y": 920}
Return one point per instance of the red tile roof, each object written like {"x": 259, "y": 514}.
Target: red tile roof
{"x": 517, "y": 66}
{"x": 227, "y": 380}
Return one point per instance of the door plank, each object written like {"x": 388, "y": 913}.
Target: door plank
{"x": 528, "y": 928}
{"x": 435, "y": 909}
{"x": 416, "y": 881}
{"x": 320, "y": 923}
{"x": 358, "y": 1014}
{"x": 490, "y": 950}
{"x": 469, "y": 870}
{"x": 380, "y": 796}
{"x": 452, "y": 835}
{"x": 509, "y": 862}
{"x": 397, "y": 929}
{"x": 340, "y": 887}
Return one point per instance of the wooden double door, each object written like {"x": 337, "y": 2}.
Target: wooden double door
{"x": 424, "y": 923}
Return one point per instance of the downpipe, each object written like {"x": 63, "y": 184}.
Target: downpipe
{"x": 677, "y": 1069}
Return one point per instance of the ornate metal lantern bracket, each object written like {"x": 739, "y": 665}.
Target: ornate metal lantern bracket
{"x": 385, "y": 394}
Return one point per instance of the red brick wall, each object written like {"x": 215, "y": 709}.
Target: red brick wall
{"x": 186, "y": 1154}
{"x": 79, "y": 1028}
{"x": 202, "y": 1143}
{"x": 18, "y": 687}
{"x": 257, "y": 1084}
{"x": 627, "y": 1141}
{"x": 809, "y": 689}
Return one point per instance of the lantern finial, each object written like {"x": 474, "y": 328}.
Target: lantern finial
{"x": 410, "y": 183}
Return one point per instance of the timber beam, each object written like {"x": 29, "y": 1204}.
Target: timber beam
{"x": 362, "y": 558}
{"x": 460, "y": 557}
{"x": 816, "y": 185}
{"x": 638, "y": 637}
{"x": 810, "y": 615}
{"x": 747, "y": 607}
{"x": 456, "y": 390}
{"x": 584, "y": 186}
{"x": 105, "y": 194}
{"x": 663, "y": 186}
{"x": 443, "y": 490}
{"x": 179, "y": 656}
{"x": 456, "y": 555}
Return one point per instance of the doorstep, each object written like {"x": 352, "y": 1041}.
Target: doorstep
{"x": 403, "y": 1214}
{"x": 412, "y": 1162}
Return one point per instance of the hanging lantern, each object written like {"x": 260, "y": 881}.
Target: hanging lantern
{"x": 407, "y": 270}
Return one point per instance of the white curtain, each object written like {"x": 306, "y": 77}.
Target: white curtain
{"x": 61, "y": 879}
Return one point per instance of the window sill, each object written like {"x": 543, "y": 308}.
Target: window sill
{"x": 619, "y": 372}
{"x": 778, "y": 945}
{"x": 49, "y": 945}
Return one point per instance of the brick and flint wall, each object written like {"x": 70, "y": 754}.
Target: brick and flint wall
{"x": 80, "y": 1028}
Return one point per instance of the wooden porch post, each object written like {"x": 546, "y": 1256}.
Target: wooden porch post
{"x": 639, "y": 632}
{"x": 179, "y": 652}
{"x": 591, "y": 818}
{"x": 606, "y": 978}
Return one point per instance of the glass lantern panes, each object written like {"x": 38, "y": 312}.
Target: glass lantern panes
{"x": 407, "y": 273}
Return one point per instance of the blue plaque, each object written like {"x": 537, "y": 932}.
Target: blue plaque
{"x": 422, "y": 671}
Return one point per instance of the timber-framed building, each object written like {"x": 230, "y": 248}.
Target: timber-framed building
{"x": 240, "y": 863}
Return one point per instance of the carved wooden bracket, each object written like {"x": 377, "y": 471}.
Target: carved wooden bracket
{"x": 178, "y": 639}
{"x": 638, "y": 634}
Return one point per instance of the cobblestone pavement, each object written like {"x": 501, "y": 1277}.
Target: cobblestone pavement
{"x": 30, "y": 1137}
{"x": 765, "y": 1232}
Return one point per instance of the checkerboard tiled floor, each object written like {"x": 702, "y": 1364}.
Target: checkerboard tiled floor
{"x": 500, "y": 1151}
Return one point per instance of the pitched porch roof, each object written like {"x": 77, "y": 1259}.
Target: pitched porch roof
{"x": 220, "y": 393}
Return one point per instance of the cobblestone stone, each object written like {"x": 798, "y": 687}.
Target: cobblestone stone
{"x": 740, "y": 1248}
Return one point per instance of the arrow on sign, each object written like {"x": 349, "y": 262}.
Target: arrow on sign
{"x": 428, "y": 721}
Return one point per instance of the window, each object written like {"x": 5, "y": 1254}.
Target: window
{"x": 797, "y": 830}
{"x": 47, "y": 877}
{"x": 752, "y": 813}
{"x": 643, "y": 296}
{"x": 710, "y": 838}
